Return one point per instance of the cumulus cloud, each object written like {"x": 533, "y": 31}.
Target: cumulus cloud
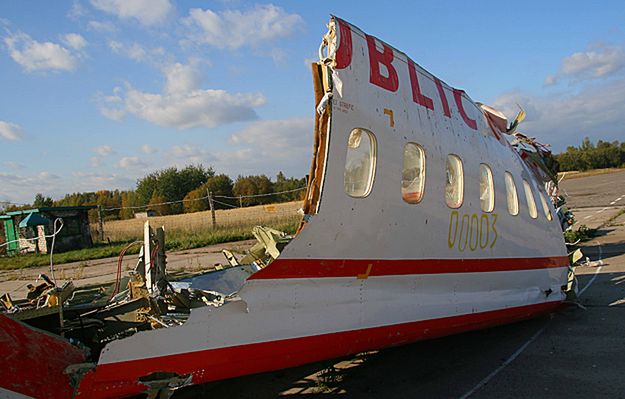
{"x": 102, "y": 26}
{"x": 13, "y": 165}
{"x": 147, "y": 12}
{"x": 39, "y": 56}
{"x": 136, "y": 52}
{"x": 103, "y": 150}
{"x": 184, "y": 154}
{"x": 115, "y": 114}
{"x": 594, "y": 63}
{"x": 77, "y": 10}
{"x": 10, "y": 131}
{"x": 21, "y": 188}
{"x": 148, "y": 149}
{"x": 130, "y": 162}
{"x": 234, "y": 29}
{"x": 74, "y": 40}
{"x": 564, "y": 119}
{"x": 269, "y": 146}
{"x": 183, "y": 104}
{"x": 95, "y": 162}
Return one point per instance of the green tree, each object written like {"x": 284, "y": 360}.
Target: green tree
{"x": 129, "y": 199}
{"x": 289, "y": 184}
{"x": 172, "y": 184}
{"x": 41, "y": 201}
{"x": 248, "y": 186}
{"x": 220, "y": 186}
{"x": 154, "y": 204}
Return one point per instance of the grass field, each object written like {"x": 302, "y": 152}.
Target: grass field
{"x": 186, "y": 231}
{"x": 189, "y": 225}
{"x": 593, "y": 172}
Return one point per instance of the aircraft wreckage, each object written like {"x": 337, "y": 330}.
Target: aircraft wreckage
{"x": 421, "y": 219}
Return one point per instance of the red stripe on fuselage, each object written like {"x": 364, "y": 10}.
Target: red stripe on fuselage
{"x": 120, "y": 379}
{"x": 319, "y": 268}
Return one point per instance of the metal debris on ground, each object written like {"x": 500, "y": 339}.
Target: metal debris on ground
{"x": 144, "y": 300}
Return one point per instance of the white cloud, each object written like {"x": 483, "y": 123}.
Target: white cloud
{"x": 13, "y": 165}
{"x": 137, "y": 52}
{"x": 147, "y": 12}
{"x": 39, "y": 56}
{"x": 77, "y": 10}
{"x": 22, "y": 188}
{"x": 594, "y": 63}
{"x": 564, "y": 119}
{"x": 45, "y": 175}
{"x": 234, "y": 29}
{"x": 74, "y": 40}
{"x": 10, "y": 131}
{"x": 185, "y": 154}
{"x": 95, "y": 162}
{"x": 277, "y": 55}
{"x": 102, "y": 26}
{"x": 115, "y": 114}
{"x": 130, "y": 162}
{"x": 183, "y": 105}
{"x": 103, "y": 150}
{"x": 197, "y": 108}
{"x": 269, "y": 146}
{"x": 181, "y": 78}
{"x": 148, "y": 149}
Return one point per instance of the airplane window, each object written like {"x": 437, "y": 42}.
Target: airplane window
{"x": 545, "y": 206}
{"x": 487, "y": 191}
{"x": 513, "y": 199}
{"x": 454, "y": 187}
{"x": 413, "y": 174}
{"x": 360, "y": 163}
{"x": 529, "y": 196}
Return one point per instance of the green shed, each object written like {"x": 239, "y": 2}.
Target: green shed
{"x": 29, "y": 230}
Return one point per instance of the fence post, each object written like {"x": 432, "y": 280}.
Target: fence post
{"x": 100, "y": 223}
{"x": 240, "y": 201}
{"x": 211, "y": 205}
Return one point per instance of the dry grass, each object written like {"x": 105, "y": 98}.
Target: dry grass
{"x": 200, "y": 222}
{"x": 593, "y": 172}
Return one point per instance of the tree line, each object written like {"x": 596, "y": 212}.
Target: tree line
{"x": 172, "y": 191}
{"x": 588, "y": 156}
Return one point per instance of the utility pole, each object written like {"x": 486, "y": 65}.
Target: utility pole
{"x": 101, "y": 223}
{"x": 211, "y": 205}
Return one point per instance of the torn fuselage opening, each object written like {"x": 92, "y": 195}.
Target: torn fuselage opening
{"x": 322, "y": 84}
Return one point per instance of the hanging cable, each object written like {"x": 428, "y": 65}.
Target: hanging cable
{"x": 120, "y": 260}
{"x": 59, "y": 220}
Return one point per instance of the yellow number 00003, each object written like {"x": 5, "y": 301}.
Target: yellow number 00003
{"x": 472, "y": 231}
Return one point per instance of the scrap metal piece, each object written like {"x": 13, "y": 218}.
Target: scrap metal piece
{"x": 230, "y": 257}
{"x": 270, "y": 242}
{"x": 33, "y": 361}
{"x": 164, "y": 384}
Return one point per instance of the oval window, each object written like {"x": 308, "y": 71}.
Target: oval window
{"x": 545, "y": 206}
{"x": 529, "y": 196}
{"x": 413, "y": 173}
{"x": 360, "y": 163}
{"x": 454, "y": 187}
{"x": 487, "y": 189}
{"x": 511, "y": 195}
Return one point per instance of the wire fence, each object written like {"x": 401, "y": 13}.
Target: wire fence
{"x": 198, "y": 223}
{"x": 206, "y": 197}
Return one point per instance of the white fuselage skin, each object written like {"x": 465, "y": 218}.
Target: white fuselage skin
{"x": 381, "y": 226}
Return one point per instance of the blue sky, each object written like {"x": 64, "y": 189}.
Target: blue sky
{"x": 96, "y": 93}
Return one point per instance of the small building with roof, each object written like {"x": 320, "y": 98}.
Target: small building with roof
{"x": 30, "y": 230}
